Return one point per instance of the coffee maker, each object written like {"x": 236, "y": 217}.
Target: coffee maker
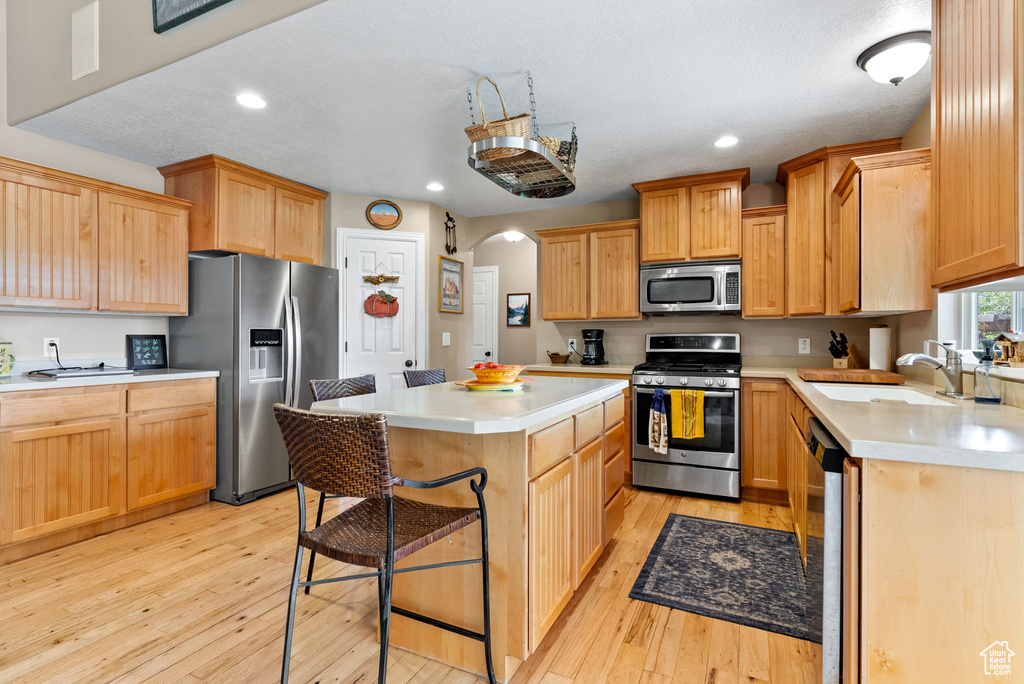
{"x": 593, "y": 347}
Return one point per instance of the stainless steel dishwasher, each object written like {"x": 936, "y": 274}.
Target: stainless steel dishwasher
{"x": 824, "y": 574}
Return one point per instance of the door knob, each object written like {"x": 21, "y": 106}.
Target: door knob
{"x": 487, "y": 353}
{"x": 408, "y": 363}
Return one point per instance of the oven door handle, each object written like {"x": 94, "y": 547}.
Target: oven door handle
{"x": 707, "y": 393}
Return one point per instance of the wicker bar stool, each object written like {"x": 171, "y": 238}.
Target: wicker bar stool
{"x": 325, "y": 390}
{"x": 349, "y": 456}
{"x": 419, "y": 378}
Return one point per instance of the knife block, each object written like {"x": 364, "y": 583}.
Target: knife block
{"x": 852, "y": 360}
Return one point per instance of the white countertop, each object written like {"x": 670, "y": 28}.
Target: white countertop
{"x": 963, "y": 434}
{"x": 24, "y": 382}
{"x": 450, "y": 408}
{"x": 577, "y": 368}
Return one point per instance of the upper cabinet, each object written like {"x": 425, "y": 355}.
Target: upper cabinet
{"x": 813, "y": 224}
{"x": 764, "y": 262}
{"x": 241, "y": 209}
{"x": 691, "y": 217}
{"x": 885, "y": 234}
{"x": 76, "y": 243}
{"x": 976, "y": 98}
{"x": 590, "y": 272}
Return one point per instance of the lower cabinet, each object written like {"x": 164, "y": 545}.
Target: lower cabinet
{"x": 589, "y": 466}
{"x": 171, "y": 454}
{"x": 551, "y": 548}
{"x": 763, "y": 453}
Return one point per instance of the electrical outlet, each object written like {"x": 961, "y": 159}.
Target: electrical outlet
{"x": 572, "y": 344}
{"x": 803, "y": 345}
{"x": 48, "y": 351}
{"x": 446, "y": 339}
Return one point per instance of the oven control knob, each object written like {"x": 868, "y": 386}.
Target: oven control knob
{"x": 708, "y": 382}
{"x": 647, "y": 380}
{"x": 721, "y": 382}
{"x": 684, "y": 381}
{"x": 660, "y": 380}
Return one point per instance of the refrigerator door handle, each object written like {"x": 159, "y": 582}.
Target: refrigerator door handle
{"x": 297, "y": 378}
{"x": 289, "y": 361}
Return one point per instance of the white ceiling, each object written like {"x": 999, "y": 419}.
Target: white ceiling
{"x": 369, "y": 97}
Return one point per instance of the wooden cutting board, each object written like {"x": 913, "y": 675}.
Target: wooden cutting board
{"x": 861, "y": 375}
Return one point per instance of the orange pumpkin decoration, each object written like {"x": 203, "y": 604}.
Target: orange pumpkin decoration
{"x": 381, "y": 305}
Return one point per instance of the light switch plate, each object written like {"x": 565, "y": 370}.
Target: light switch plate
{"x": 85, "y": 40}
{"x": 446, "y": 339}
{"x": 803, "y": 345}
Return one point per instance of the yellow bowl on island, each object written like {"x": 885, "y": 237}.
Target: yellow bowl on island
{"x": 497, "y": 374}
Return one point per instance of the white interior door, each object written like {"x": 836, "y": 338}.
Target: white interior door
{"x": 382, "y": 346}
{"x": 485, "y": 313}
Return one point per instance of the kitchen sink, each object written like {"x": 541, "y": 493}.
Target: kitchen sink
{"x": 903, "y": 395}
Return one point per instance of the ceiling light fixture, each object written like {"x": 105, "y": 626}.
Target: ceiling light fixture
{"x": 513, "y": 235}
{"x": 251, "y": 100}
{"x": 726, "y": 141}
{"x": 435, "y": 187}
{"x": 896, "y": 59}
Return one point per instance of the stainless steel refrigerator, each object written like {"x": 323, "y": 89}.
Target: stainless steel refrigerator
{"x": 269, "y": 327}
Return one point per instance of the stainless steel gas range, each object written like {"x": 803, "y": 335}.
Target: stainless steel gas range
{"x": 707, "y": 362}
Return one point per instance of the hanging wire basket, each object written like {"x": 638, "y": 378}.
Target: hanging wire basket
{"x": 537, "y": 173}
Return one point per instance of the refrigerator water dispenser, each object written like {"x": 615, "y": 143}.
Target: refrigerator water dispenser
{"x": 266, "y": 354}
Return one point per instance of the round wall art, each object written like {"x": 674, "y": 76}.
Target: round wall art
{"x": 383, "y": 214}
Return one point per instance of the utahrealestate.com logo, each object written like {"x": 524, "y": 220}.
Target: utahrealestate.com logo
{"x": 997, "y": 658}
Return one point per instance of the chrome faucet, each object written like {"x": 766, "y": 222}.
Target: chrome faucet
{"x": 952, "y": 369}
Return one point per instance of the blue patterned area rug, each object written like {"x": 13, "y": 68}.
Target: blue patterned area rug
{"x": 748, "y": 575}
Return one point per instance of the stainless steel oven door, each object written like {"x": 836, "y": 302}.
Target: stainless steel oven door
{"x": 690, "y": 288}
{"x": 719, "y": 448}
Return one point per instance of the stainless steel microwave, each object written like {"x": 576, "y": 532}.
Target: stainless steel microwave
{"x": 690, "y": 287}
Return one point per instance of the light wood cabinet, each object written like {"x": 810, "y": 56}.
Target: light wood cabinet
{"x": 851, "y": 572}
{"x": 590, "y": 500}
{"x": 590, "y": 272}
{"x": 763, "y": 416}
{"x": 76, "y": 243}
{"x": 237, "y": 208}
{"x": 885, "y": 234}
{"x": 552, "y": 548}
{"x": 796, "y": 478}
{"x": 976, "y": 128}
{"x": 143, "y": 255}
{"x": 812, "y": 224}
{"x": 691, "y": 217}
{"x": 764, "y": 262}
{"x": 74, "y": 462}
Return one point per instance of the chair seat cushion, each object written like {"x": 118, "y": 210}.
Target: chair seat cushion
{"x": 358, "y": 535}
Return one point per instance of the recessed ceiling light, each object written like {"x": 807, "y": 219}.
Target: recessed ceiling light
{"x": 513, "y": 235}
{"x": 251, "y": 100}
{"x": 435, "y": 187}
{"x": 726, "y": 141}
{"x": 896, "y": 59}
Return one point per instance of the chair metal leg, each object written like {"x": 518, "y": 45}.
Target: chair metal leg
{"x": 312, "y": 554}
{"x": 385, "y": 622}
{"x": 290, "y": 625}
{"x": 486, "y": 569}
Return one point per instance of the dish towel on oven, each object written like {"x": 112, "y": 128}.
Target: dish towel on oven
{"x": 657, "y": 430}
{"x": 687, "y": 414}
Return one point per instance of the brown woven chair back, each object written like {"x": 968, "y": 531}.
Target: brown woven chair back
{"x": 419, "y": 378}
{"x": 325, "y": 390}
{"x": 338, "y": 455}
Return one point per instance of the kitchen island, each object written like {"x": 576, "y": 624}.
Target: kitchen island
{"x": 554, "y": 459}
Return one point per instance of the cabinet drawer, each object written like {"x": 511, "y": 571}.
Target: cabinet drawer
{"x": 550, "y": 446}
{"x": 59, "y": 408}
{"x": 614, "y": 511}
{"x": 589, "y": 425}
{"x": 614, "y": 474}
{"x": 614, "y": 409}
{"x": 162, "y": 397}
{"x": 615, "y": 439}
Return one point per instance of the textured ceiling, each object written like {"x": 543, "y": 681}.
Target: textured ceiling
{"x": 369, "y": 97}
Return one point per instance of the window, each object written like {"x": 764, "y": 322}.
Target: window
{"x": 983, "y": 315}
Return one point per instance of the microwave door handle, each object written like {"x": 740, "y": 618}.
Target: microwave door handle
{"x": 718, "y": 288}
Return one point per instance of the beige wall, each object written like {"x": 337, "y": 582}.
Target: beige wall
{"x": 920, "y": 132}
{"x": 517, "y": 273}
{"x": 763, "y": 195}
{"x": 39, "y": 45}
{"x": 349, "y": 211}
{"x": 81, "y": 335}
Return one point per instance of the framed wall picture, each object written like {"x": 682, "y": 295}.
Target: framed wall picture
{"x": 517, "y": 310}
{"x": 383, "y": 214}
{"x": 146, "y": 352}
{"x": 449, "y": 285}
{"x": 170, "y": 13}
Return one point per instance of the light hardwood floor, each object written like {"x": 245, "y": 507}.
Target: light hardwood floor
{"x": 200, "y": 596}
